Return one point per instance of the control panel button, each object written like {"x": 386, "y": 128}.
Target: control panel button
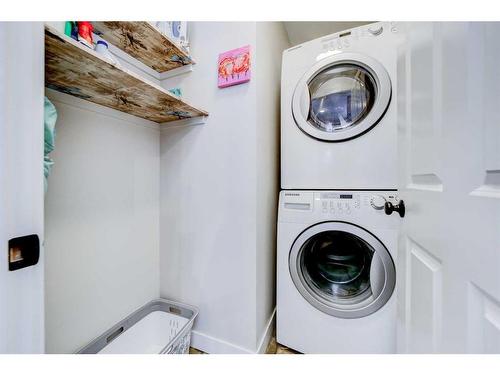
{"x": 377, "y": 202}
{"x": 366, "y": 200}
{"x": 324, "y": 206}
{"x": 332, "y": 207}
{"x": 376, "y": 31}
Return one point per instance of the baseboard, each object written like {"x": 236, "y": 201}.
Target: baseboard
{"x": 268, "y": 333}
{"x": 212, "y": 345}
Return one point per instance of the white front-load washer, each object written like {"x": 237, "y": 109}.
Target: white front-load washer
{"x": 338, "y": 106}
{"x": 336, "y": 273}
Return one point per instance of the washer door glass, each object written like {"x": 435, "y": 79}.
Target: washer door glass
{"x": 341, "y": 97}
{"x": 336, "y": 265}
{"x": 342, "y": 269}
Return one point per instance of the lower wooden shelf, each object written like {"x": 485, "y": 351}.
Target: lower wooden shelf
{"x": 74, "y": 69}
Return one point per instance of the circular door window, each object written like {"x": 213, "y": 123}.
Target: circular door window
{"x": 342, "y": 270}
{"x": 341, "y": 97}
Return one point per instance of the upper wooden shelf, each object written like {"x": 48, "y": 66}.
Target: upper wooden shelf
{"x": 74, "y": 69}
{"x": 144, "y": 42}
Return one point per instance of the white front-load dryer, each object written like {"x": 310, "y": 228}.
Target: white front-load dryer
{"x": 338, "y": 106}
{"x": 336, "y": 273}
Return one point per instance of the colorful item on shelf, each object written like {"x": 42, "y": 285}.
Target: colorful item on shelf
{"x": 71, "y": 29}
{"x": 234, "y": 67}
{"x": 180, "y": 33}
{"x": 85, "y": 30}
{"x": 74, "y": 30}
{"x": 68, "y": 28}
{"x": 176, "y": 91}
{"x": 101, "y": 48}
{"x": 175, "y": 30}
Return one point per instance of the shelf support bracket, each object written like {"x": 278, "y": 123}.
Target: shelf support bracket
{"x": 200, "y": 120}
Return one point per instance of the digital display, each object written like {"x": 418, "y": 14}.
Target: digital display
{"x": 330, "y": 195}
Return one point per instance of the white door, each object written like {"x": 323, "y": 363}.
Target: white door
{"x": 449, "y": 154}
{"x": 21, "y": 182}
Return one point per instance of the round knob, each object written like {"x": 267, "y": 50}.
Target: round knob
{"x": 376, "y": 31}
{"x": 378, "y": 202}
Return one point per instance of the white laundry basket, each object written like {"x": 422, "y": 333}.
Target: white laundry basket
{"x": 159, "y": 327}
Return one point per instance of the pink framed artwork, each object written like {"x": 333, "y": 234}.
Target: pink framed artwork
{"x": 234, "y": 67}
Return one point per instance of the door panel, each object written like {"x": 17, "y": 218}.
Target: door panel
{"x": 424, "y": 283}
{"x": 21, "y": 182}
{"x": 483, "y": 322}
{"x": 449, "y": 168}
{"x": 487, "y": 95}
{"x": 491, "y": 90}
{"x": 425, "y": 124}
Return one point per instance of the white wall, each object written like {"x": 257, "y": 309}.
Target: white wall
{"x": 271, "y": 41}
{"x": 210, "y": 219}
{"x": 101, "y": 221}
{"x": 21, "y": 183}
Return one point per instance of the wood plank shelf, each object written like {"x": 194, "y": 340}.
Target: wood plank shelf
{"x": 144, "y": 42}
{"x": 74, "y": 69}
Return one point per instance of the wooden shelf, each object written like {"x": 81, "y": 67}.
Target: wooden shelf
{"x": 144, "y": 42}
{"x": 74, "y": 69}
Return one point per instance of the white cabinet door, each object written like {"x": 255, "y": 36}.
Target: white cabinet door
{"x": 21, "y": 182}
{"x": 449, "y": 168}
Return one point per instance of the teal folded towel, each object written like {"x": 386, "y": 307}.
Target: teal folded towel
{"x": 49, "y": 119}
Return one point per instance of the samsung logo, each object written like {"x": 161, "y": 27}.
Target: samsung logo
{"x": 292, "y": 195}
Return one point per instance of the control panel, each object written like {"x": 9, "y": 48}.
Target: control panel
{"x": 344, "y": 39}
{"x": 351, "y": 206}
{"x": 338, "y": 202}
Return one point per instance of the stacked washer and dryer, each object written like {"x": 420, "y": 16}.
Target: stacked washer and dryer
{"x": 336, "y": 238}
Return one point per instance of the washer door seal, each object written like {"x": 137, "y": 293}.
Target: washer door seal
{"x": 342, "y": 269}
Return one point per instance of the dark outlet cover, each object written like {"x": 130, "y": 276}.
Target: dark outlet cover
{"x": 23, "y": 252}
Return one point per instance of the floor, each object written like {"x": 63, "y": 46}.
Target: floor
{"x": 273, "y": 348}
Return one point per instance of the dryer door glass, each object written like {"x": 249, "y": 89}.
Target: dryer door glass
{"x": 341, "y": 96}
{"x": 336, "y": 265}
